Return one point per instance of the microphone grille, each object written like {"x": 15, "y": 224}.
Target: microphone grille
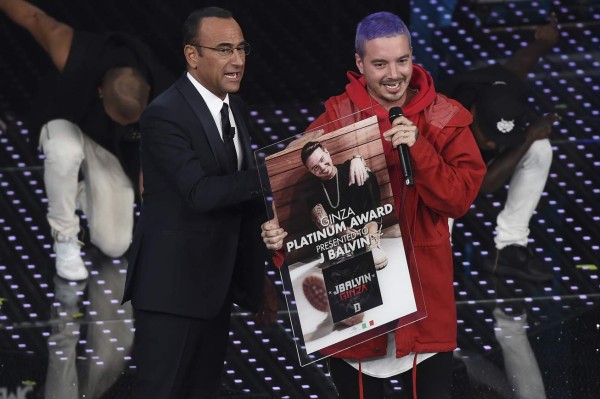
{"x": 395, "y": 112}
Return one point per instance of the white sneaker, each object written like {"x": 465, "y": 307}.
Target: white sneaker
{"x": 379, "y": 257}
{"x": 69, "y": 264}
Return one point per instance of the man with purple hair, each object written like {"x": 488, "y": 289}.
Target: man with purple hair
{"x": 447, "y": 170}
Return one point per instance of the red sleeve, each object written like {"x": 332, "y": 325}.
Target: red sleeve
{"x": 448, "y": 167}
{"x": 320, "y": 121}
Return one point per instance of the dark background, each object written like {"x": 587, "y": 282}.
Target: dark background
{"x": 300, "y": 49}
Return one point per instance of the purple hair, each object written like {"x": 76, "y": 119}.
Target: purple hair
{"x": 379, "y": 24}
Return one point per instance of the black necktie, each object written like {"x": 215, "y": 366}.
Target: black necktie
{"x": 228, "y": 134}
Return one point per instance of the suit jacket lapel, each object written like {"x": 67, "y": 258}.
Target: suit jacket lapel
{"x": 205, "y": 118}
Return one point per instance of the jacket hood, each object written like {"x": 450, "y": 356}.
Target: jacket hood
{"x": 421, "y": 81}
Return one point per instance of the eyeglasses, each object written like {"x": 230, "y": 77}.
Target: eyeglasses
{"x": 226, "y": 52}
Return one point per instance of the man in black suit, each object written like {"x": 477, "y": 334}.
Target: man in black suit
{"x": 197, "y": 246}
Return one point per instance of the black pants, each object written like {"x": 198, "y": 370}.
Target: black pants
{"x": 179, "y": 357}
{"x": 434, "y": 379}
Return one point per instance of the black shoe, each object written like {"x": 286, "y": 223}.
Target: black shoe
{"x": 519, "y": 261}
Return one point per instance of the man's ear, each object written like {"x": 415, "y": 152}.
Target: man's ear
{"x": 191, "y": 56}
{"x": 359, "y": 62}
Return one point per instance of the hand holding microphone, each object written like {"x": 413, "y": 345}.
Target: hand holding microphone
{"x": 402, "y": 135}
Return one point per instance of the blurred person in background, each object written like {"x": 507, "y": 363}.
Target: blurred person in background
{"x": 514, "y": 142}
{"x": 86, "y": 115}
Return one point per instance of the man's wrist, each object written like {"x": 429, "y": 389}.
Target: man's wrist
{"x": 359, "y": 157}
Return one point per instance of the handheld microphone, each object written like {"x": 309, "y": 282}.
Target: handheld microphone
{"x": 403, "y": 152}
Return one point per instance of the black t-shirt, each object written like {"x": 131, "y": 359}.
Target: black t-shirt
{"x": 73, "y": 93}
{"x": 465, "y": 86}
{"x": 359, "y": 198}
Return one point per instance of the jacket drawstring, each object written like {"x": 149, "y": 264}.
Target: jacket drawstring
{"x": 414, "y": 376}
{"x": 360, "y": 381}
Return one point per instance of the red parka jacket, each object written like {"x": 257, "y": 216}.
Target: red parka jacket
{"x": 448, "y": 171}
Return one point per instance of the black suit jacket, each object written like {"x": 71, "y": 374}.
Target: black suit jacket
{"x": 198, "y": 235}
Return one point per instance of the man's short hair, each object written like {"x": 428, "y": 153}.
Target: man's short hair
{"x": 308, "y": 149}
{"x": 127, "y": 90}
{"x": 379, "y": 24}
{"x": 192, "y": 23}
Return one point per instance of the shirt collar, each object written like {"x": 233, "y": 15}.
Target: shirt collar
{"x": 213, "y": 102}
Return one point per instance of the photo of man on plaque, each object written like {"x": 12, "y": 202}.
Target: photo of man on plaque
{"x": 330, "y": 202}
